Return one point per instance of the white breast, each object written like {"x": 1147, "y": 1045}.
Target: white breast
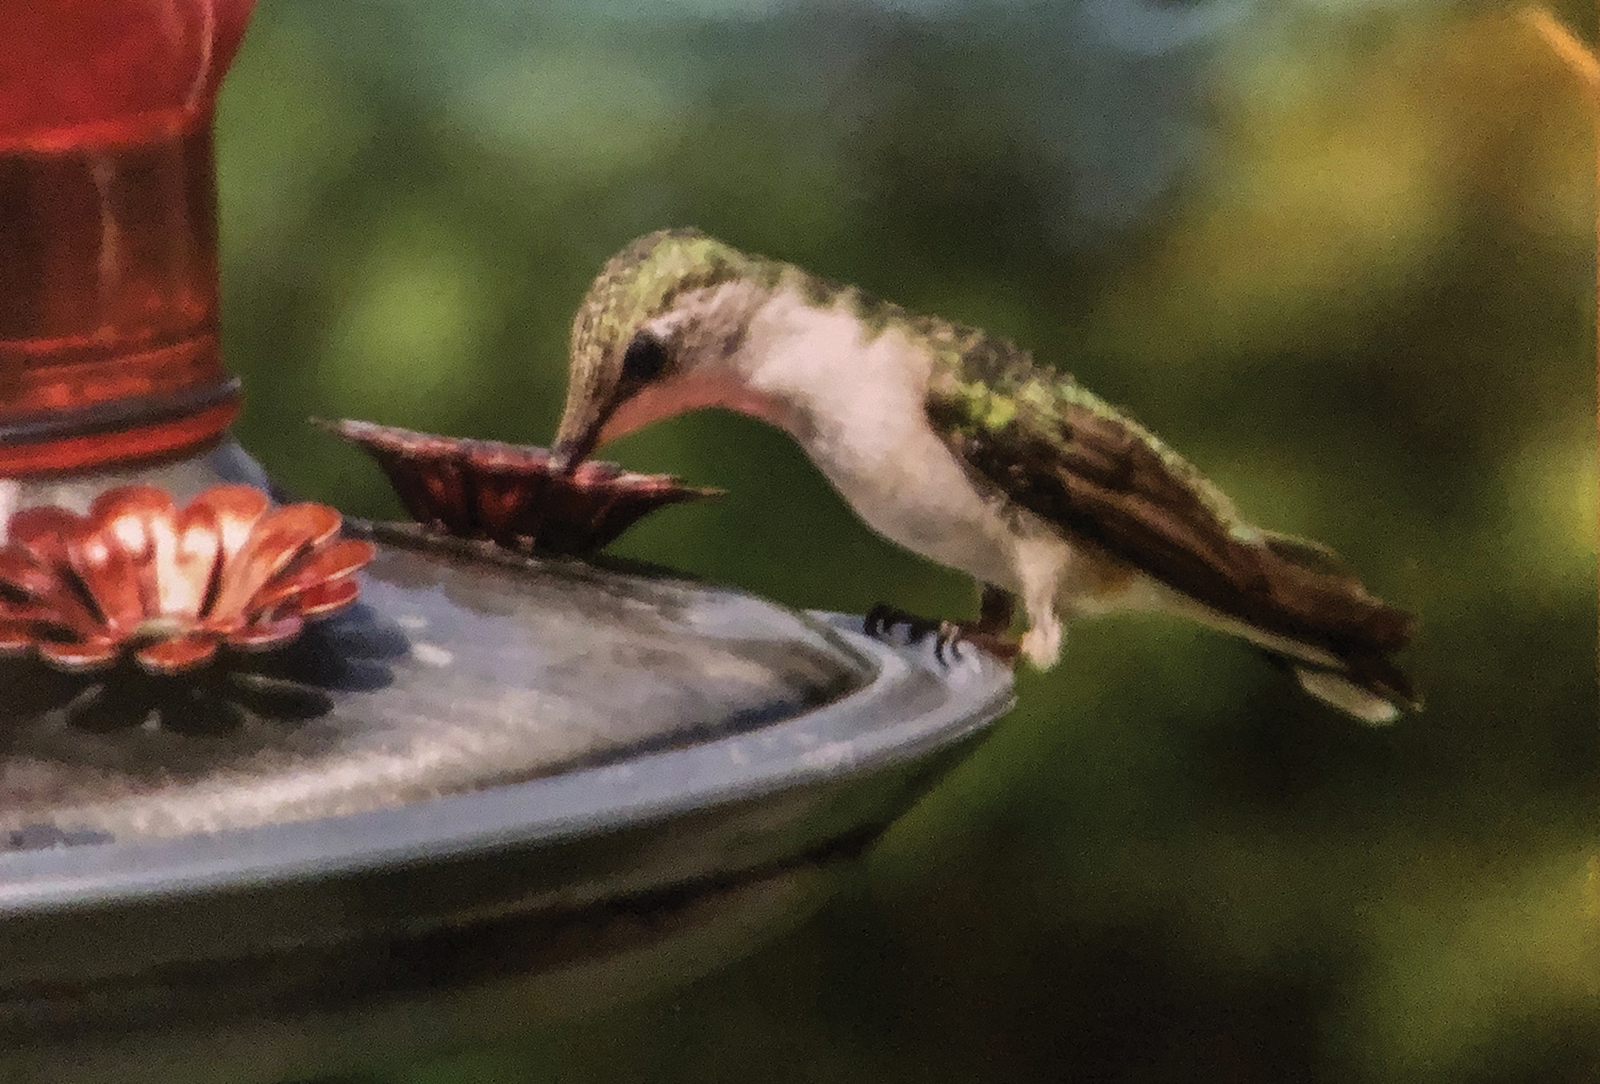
{"x": 860, "y": 415}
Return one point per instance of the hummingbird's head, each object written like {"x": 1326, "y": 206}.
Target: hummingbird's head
{"x": 653, "y": 336}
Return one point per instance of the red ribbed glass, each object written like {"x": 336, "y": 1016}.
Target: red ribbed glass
{"x": 108, "y": 239}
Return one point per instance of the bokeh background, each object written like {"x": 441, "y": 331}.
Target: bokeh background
{"x": 1341, "y": 253}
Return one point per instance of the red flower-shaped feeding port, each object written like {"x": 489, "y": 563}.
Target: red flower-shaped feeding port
{"x": 170, "y": 585}
{"x": 510, "y": 494}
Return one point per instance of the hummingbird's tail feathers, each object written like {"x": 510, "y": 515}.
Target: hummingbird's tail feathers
{"x": 1345, "y": 634}
{"x": 1317, "y": 621}
{"x": 1369, "y": 688}
{"x": 1313, "y": 582}
{"x": 1341, "y": 692}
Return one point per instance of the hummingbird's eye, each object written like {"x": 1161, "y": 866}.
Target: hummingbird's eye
{"x": 645, "y": 359}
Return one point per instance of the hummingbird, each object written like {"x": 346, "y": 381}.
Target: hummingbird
{"x": 957, "y": 445}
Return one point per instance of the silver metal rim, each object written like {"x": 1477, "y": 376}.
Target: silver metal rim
{"x": 855, "y": 735}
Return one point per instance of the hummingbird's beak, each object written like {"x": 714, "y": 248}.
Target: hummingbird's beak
{"x": 568, "y": 453}
{"x": 577, "y": 435}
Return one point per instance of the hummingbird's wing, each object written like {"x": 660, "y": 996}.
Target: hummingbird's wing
{"x": 1057, "y": 450}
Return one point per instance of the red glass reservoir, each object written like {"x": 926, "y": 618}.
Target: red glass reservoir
{"x": 108, "y": 240}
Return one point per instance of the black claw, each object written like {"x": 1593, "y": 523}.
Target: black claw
{"x": 882, "y": 619}
{"x": 947, "y": 638}
{"x": 877, "y": 621}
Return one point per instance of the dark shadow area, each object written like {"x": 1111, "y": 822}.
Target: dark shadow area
{"x": 283, "y": 688}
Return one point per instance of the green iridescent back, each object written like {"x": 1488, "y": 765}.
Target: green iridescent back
{"x": 989, "y": 391}
{"x": 1054, "y": 448}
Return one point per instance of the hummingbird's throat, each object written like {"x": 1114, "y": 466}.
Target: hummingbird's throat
{"x": 692, "y": 391}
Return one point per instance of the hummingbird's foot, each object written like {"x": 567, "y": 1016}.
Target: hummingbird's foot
{"x": 882, "y": 619}
{"x": 987, "y": 633}
{"x": 1001, "y": 645}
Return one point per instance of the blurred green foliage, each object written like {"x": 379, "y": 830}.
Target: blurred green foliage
{"x": 1339, "y": 253}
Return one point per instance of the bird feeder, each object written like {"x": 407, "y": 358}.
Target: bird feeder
{"x": 281, "y": 792}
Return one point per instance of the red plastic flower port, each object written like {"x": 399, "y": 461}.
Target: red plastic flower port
{"x": 139, "y": 575}
{"x": 508, "y": 493}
